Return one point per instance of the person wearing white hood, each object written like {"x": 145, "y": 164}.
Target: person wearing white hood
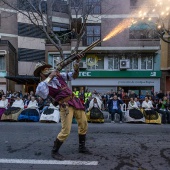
{"x": 94, "y": 111}
{"x": 33, "y": 103}
{"x": 14, "y": 111}
{"x": 3, "y": 105}
{"x": 95, "y": 102}
{"x": 18, "y": 103}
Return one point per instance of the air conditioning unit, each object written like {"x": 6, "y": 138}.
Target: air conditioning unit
{"x": 83, "y": 65}
{"x": 124, "y": 64}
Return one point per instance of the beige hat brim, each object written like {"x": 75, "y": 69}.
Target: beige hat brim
{"x": 38, "y": 70}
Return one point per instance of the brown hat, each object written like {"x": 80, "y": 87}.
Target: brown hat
{"x": 40, "y": 66}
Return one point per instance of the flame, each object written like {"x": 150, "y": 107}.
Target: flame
{"x": 118, "y": 29}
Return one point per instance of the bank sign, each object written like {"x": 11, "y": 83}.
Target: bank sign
{"x": 120, "y": 74}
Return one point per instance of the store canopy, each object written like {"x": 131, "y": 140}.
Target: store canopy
{"x": 24, "y": 79}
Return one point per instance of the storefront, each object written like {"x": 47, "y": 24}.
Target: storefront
{"x": 103, "y": 81}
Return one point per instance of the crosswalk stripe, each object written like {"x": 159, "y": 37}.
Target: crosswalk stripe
{"x": 48, "y": 162}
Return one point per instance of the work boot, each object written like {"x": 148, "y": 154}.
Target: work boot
{"x": 82, "y": 148}
{"x": 54, "y": 153}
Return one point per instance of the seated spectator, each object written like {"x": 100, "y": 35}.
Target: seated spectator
{"x": 160, "y": 95}
{"x": 137, "y": 102}
{"x": 96, "y": 103}
{"x": 33, "y": 103}
{"x": 151, "y": 116}
{"x": 132, "y": 104}
{"x": 3, "y": 105}
{"x": 31, "y": 113}
{"x": 18, "y": 103}
{"x": 133, "y": 114}
{"x": 162, "y": 108}
{"x": 26, "y": 101}
{"x": 13, "y": 112}
{"x": 132, "y": 94}
{"x": 94, "y": 113}
{"x": 147, "y": 106}
{"x": 114, "y": 106}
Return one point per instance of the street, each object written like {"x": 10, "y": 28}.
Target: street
{"x": 114, "y": 147}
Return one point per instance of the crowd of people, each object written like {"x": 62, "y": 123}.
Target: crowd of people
{"x": 150, "y": 102}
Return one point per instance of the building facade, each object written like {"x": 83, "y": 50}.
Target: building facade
{"x": 130, "y": 60}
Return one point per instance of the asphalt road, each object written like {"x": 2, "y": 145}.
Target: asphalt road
{"x": 114, "y": 146}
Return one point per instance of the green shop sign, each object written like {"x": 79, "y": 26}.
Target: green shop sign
{"x": 120, "y": 74}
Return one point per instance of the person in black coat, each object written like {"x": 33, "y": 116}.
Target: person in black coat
{"x": 114, "y": 106}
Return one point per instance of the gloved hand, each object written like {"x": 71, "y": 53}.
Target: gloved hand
{"x": 76, "y": 66}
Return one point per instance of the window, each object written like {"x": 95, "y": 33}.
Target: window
{"x": 2, "y": 62}
{"x": 134, "y": 61}
{"x": 30, "y": 30}
{"x": 147, "y": 63}
{"x": 57, "y": 59}
{"x": 138, "y": 61}
{"x": 76, "y": 4}
{"x": 92, "y": 34}
{"x": 60, "y": 6}
{"x": 63, "y": 32}
{"x": 133, "y": 2}
{"x": 137, "y": 3}
{"x": 31, "y": 4}
{"x": 93, "y": 6}
{"x": 143, "y": 31}
{"x": 113, "y": 62}
{"x": 95, "y": 62}
{"x": 25, "y": 54}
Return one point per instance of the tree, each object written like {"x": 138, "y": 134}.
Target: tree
{"x": 40, "y": 12}
{"x": 154, "y": 13}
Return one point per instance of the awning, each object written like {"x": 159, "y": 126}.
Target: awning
{"x": 24, "y": 79}
{"x": 143, "y": 26}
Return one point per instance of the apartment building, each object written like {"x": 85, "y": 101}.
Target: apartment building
{"x": 130, "y": 60}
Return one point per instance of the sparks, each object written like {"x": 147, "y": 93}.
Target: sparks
{"x": 118, "y": 29}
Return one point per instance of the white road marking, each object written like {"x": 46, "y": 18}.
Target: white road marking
{"x": 47, "y": 162}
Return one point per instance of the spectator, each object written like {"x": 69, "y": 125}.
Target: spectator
{"x": 148, "y": 109}
{"x": 119, "y": 94}
{"x": 32, "y": 103}
{"x": 114, "y": 106}
{"x": 40, "y": 104}
{"x": 3, "y": 105}
{"x": 132, "y": 94}
{"x": 26, "y": 101}
{"x": 162, "y": 108}
{"x": 160, "y": 95}
{"x": 132, "y": 104}
{"x": 137, "y": 102}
